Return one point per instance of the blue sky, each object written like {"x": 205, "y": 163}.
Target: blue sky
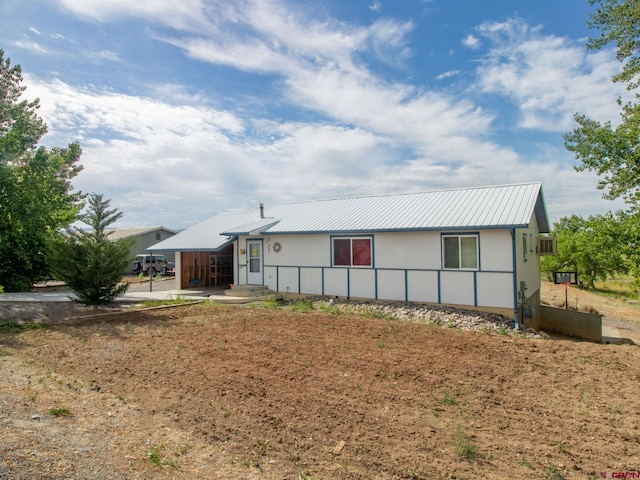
{"x": 187, "y": 108}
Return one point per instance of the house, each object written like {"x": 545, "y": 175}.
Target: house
{"x": 145, "y": 237}
{"x": 470, "y": 247}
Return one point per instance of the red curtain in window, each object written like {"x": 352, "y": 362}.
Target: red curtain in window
{"x": 362, "y": 252}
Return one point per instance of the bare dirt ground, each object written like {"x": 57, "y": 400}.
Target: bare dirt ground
{"x": 250, "y": 393}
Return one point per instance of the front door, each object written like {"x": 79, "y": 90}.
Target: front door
{"x": 254, "y": 262}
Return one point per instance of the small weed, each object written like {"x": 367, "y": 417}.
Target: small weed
{"x": 451, "y": 324}
{"x": 33, "y": 397}
{"x": 276, "y": 422}
{"x": 156, "y": 456}
{"x": 184, "y": 449}
{"x": 331, "y": 309}
{"x": 59, "y": 412}
{"x": 372, "y": 312}
{"x": 502, "y": 331}
{"x": 463, "y": 444}
{"x": 380, "y": 343}
{"x": 525, "y": 463}
{"x": 302, "y": 306}
{"x": 169, "y": 301}
{"x": 263, "y": 446}
{"x": 181, "y": 345}
{"x": 5, "y": 352}
{"x": 271, "y": 304}
{"x": 553, "y": 473}
{"x": 448, "y": 399}
{"x": 7, "y": 326}
{"x": 128, "y": 327}
{"x": 561, "y": 446}
{"x": 617, "y": 409}
{"x": 222, "y": 345}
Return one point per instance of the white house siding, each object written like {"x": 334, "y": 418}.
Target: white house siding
{"x": 297, "y": 250}
{"x": 287, "y": 279}
{"x": 422, "y": 286}
{"x": 413, "y": 250}
{"x": 391, "y": 285}
{"x": 362, "y": 283}
{"x": 528, "y": 270}
{"x": 407, "y": 266}
{"x": 457, "y": 287}
{"x": 494, "y": 290}
{"x": 495, "y": 251}
{"x": 311, "y": 280}
{"x": 335, "y": 282}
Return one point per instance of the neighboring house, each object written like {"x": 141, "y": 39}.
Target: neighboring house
{"x": 471, "y": 247}
{"x": 145, "y": 237}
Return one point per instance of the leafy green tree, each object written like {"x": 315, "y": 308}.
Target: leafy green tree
{"x": 20, "y": 126}
{"x": 630, "y": 243}
{"x": 36, "y": 197}
{"x": 87, "y": 261}
{"x": 590, "y": 247}
{"x": 612, "y": 152}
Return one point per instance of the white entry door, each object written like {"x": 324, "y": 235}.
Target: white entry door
{"x": 254, "y": 262}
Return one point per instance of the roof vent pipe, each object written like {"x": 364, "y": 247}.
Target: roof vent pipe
{"x": 262, "y": 210}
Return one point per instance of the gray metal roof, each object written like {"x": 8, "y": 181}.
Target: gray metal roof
{"x": 130, "y": 232}
{"x": 501, "y": 206}
{"x": 205, "y": 235}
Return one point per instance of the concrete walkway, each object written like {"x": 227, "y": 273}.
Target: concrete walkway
{"x": 137, "y": 292}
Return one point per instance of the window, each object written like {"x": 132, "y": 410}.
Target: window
{"x": 460, "y": 251}
{"x": 524, "y": 246}
{"x": 158, "y": 236}
{"x": 352, "y": 252}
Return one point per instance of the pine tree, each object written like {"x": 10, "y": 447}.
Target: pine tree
{"x": 90, "y": 264}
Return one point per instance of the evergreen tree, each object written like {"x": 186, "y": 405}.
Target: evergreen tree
{"x": 87, "y": 261}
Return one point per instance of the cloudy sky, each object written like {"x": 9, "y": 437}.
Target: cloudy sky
{"x": 187, "y": 108}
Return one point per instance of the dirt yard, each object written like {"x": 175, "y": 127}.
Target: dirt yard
{"x": 217, "y": 392}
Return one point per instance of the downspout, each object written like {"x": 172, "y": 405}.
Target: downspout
{"x": 515, "y": 278}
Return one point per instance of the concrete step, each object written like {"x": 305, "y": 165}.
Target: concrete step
{"x": 246, "y": 294}
{"x": 248, "y": 291}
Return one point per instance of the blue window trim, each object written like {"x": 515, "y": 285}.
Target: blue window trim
{"x": 460, "y": 234}
{"x": 350, "y": 237}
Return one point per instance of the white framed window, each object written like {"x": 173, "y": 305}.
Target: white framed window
{"x": 352, "y": 251}
{"x": 460, "y": 252}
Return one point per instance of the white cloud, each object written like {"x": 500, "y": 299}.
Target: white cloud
{"x": 178, "y": 14}
{"x": 471, "y": 41}
{"x": 170, "y": 152}
{"x": 30, "y": 45}
{"x": 376, "y": 6}
{"x": 549, "y": 78}
{"x": 449, "y": 74}
{"x": 34, "y": 30}
{"x": 105, "y": 55}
